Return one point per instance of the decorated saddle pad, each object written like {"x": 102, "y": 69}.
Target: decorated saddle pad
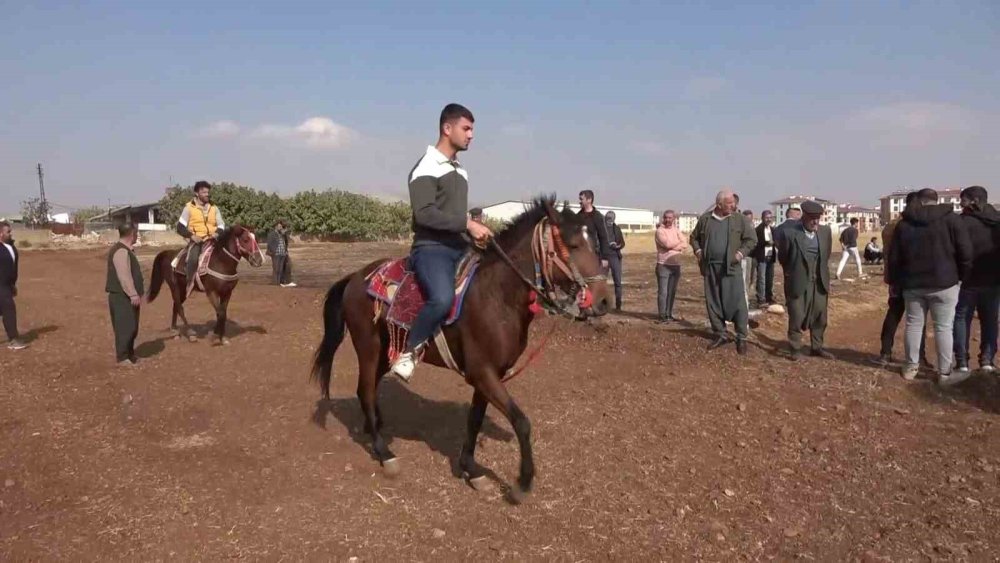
{"x": 180, "y": 261}
{"x": 394, "y": 286}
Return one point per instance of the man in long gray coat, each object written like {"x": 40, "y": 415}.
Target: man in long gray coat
{"x": 721, "y": 240}
{"x": 804, "y": 253}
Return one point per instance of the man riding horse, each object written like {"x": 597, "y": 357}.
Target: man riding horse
{"x": 199, "y": 222}
{"x": 439, "y": 194}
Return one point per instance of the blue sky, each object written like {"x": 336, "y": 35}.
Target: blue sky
{"x": 651, "y": 105}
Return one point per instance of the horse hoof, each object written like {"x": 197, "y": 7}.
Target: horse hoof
{"x": 481, "y": 483}
{"x": 517, "y": 495}
{"x": 192, "y": 339}
{"x": 392, "y": 467}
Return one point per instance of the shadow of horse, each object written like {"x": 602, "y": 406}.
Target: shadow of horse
{"x": 33, "y": 334}
{"x": 439, "y": 424}
{"x": 152, "y": 348}
{"x": 233, "y": 329}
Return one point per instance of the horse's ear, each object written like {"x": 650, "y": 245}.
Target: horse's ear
{"x": 550, "y": 210}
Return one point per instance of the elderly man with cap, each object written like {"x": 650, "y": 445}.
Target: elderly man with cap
{"x": 720, "y": 240}
{"x": 804, "y": 253}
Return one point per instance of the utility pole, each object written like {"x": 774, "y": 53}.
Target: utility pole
{"x": 43, "y": 205}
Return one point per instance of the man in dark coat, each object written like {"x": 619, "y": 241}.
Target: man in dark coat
{"x": 765, "y": 255}
{"x": 930, "y": 256}
{"x": 720, "y": 240}
{"x": 10, "y": 260}
{"x": 277, "y": 249}
{"x": 980, "y": 293}
{"x": 805, "y": 254}
{"x": 616, "y": 240}
{"x": 597, "y": 230}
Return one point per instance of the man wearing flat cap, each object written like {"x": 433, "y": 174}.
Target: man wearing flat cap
{"x": 804, "y": 253}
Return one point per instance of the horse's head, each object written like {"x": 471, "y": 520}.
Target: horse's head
{"x": 243, "y": 244}
{"x": 585, "y": 277}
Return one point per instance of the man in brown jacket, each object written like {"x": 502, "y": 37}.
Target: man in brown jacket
{"x": 721, "y": 240}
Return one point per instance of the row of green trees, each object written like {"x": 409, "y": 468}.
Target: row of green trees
{"x": 332, "y": 213}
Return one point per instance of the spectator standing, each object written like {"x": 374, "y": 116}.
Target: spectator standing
{"x": 849, "y": 242}
{"x": 931, "y": 254}
{"x": 721, "y": 239}
{"x": 124, "y": 289}
{"x": 792, "y": 218}
{"x": 980, "y": 293}
{"x": 805, "y": 258}
{"x": 616, "y": 240}
{"x": 10, "y": 261}
{"x": 476, "y": 214}
{"x": 597, "y": 231}
{"x": 670, "y": 244}
{"x": 896, "y": 306}
{"x": 764, "y": 255}
{"x": 277, "y": 249}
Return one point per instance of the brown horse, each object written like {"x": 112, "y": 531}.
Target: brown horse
{"x": 490, "y": 335}
{"x": 234, "y": 243}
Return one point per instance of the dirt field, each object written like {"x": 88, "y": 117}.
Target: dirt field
{"x": 647, "y": 447}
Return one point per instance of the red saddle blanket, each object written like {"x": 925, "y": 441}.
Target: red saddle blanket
{"x": 394, "y": 285}
{"x": 180, "y": 261}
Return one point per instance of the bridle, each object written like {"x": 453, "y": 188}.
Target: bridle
{"x": 236, "y": 259}
{"x": 550, "y": 253}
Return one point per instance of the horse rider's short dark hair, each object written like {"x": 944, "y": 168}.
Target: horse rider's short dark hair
{"x": 125, "y": 230}
{"x": 589, "y": 194}
{"x": 854, "y": 220}
{"x": 201, "y": 184}
{"x": 452, "y": 113}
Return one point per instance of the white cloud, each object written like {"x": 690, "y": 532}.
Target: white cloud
{"x": 315, "y": 133}
{"x": 704, "y": 86}
{"x": 220, "y": 130}
{"x": 911, "y": 124}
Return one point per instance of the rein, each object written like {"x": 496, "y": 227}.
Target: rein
{"x": 231, "y": 256}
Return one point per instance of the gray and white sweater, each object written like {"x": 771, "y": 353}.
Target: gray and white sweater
{"x": 439, "y": 197}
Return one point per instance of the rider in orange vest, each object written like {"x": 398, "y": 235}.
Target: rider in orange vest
{"x": 200, "y": 221}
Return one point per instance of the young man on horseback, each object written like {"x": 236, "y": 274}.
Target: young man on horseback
{"x": 200, "y": 221}
{"x": 439, "y": 193}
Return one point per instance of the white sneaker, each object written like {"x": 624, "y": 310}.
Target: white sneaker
{"x": 910, "y": 372}
{"x": 404, "y": 366}
{"x": 988, "y": 368}
{"x": 291, "y": 284}
{"x": 954, "y": 378}
{"x": 17, "y": 345}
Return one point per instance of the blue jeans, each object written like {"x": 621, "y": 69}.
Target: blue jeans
{"x": 765, "y": 282}
{"x": 986, "y": 302}
{"x": 435, "y": 266}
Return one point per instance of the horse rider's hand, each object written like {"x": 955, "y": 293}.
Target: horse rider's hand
{"x": 215, "y": 235}
{"x": 197, "y": 239}
{"x": 479, "y": 232}
{"x": 136, "y": 300}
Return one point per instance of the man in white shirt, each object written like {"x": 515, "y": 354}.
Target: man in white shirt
{"x": 9, "y": 261}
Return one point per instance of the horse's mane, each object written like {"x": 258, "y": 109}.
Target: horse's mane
{"x": 228, "y": 234}
{"x": 524, "y": 224}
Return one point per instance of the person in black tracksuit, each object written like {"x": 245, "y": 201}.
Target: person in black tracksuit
{"x": 980, "y": 293}
{"x": 10, "y": 259}
{"x": 617, "y": 242}
{"x": 597, "y": 229}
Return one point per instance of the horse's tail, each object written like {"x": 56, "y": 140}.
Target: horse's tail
{"x": 333, "y": 335}
{"x": 156, "y": 278}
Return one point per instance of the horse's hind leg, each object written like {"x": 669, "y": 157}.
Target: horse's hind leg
{"x": 179, "y": 297}
{"x": 467, "y": 459}
{"x": 372, "y": 364}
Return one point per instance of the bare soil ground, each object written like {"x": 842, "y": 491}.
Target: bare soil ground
{"x": 647, "y": 446}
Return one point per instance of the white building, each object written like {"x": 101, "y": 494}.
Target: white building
{"x": 868, "y": 218}
{"x": 687, "y": 221}
{"x": 782, "y": 206}
{"x": 631, "y": 220}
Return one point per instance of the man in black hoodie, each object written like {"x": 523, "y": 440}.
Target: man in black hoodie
{"x": 980, "y": 292}
{"x": 931, "y": 255}
{"x": 597, "y": 229}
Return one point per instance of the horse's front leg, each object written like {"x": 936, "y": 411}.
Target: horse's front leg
{"x": 471, "y": 470}
{"x": 221, "y": 305}
{"x": 490, "y": 386}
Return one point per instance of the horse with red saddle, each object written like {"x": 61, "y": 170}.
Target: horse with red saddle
{"x": 216, "y": 276}
{"x": 542, "y": 258}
